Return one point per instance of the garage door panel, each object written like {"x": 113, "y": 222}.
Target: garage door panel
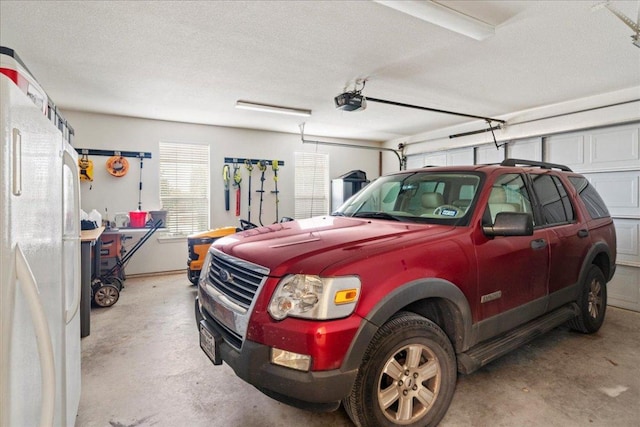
{"x": 614, "y": 149}
{"x": 620, "y": 191}
{"x": 463, "y": 156}
{"x": 609, "y": 149}
{"x": 415, "y": 161}
{"x": 567, "y": 150}
{"x": 623, "y": 291}
{"x": 436, "y": 159}
{"x": 628, "y": 236}
{"x": 529, "y": 149}
{"x": 487, "y": 154}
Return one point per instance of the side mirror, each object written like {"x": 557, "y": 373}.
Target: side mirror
{"x": 510, "y": 224}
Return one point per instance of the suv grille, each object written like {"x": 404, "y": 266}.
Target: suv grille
{"x": 237, "y": 279}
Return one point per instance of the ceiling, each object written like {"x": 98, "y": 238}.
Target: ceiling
{"x": 190, "y": 61}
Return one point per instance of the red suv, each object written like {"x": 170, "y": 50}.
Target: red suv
{"x": 420, "y": 275}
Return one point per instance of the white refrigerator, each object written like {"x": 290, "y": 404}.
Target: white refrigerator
{"x": 39, "y": 256}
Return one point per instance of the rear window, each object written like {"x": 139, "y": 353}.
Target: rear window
{"x": 554, "y": 200}
{"x": 590, "y": 197}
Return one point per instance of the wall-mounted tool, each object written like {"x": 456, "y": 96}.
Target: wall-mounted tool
{"x": 274, "y": 166}
{"x": 117, "y": 166}
{"x": 226, "y": 177}
{"x": 237, "y": 179}
{"x": 262, "y": 165}
{"x": 249, "y": 167}
{"x": 86, "y": 168}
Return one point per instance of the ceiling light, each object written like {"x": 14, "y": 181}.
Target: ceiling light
{"x": 246, "y": 105}
{"x": 443, "y": 16}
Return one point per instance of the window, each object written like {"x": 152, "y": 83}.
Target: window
{"x": 592, "y": 200}
{"x": 311, "y": 185}
{"x": 184, "y": 186}
{"x": 508, "y": 194}
{"x": 414, "y": 196}
{"x": 554, "y": 200}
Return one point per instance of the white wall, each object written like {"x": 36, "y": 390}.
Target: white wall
{"x": 106, "y": 132}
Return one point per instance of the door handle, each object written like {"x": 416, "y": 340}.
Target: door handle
{"x": 16, "y": 164}
{"x": 538, "y": 244}
{"x": 583, "y": 233}
{"x": 72, "y": 164}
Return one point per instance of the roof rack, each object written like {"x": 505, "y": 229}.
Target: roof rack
{"x": 543, "y": 165}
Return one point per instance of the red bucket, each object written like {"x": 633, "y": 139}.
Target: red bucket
{"x": 137, "y": 219}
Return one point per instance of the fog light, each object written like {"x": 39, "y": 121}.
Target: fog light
{"x": 300, "y": 362}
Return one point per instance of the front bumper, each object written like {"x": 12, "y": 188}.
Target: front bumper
{"x": 320, "y": 390}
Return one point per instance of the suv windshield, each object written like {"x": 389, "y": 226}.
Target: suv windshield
{"x": 426, "y": 197}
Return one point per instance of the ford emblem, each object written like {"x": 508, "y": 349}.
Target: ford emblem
{"x": 225, "y": 276}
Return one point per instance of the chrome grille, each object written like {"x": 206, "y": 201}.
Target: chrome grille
{"x": 237, "y": 279}
{"x": 229, "y": 335}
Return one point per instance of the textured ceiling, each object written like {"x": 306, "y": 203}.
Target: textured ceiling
{"x": 190, "y": 61}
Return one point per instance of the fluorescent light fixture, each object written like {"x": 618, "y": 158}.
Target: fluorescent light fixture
{"x": 246, "y": 105}
{"x": 443, "y": 16}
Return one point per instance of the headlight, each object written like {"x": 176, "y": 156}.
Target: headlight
{"x": 314, "y": 297}
{"x": 206, "y": 264}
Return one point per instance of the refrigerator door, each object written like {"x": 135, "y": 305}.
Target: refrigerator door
{"x": 31, "y": 223}
{"x": 71, "y": 280}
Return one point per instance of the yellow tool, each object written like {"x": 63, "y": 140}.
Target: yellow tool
{"x": 226, "y": 176}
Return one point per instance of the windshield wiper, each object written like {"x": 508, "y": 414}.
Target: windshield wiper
{"x": 376, "y": 215}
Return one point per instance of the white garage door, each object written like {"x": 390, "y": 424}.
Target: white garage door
{"x": 456, "y": 157}
{"x": 610, "y": 159}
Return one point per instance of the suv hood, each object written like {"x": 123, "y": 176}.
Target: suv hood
{"x": 311, "y": 245}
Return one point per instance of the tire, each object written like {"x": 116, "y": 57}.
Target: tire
{"x": 106, "y": 295}
{"x": 193, "y": 276}
{"x": 115, "y": 281}
{"x": 407, "y": 376}
{"x": 592, "y": 302}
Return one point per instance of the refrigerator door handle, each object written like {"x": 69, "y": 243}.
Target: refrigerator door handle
{"x": 43, "y": 336}
{"x": 16, "y": 186}
{"x": 75, "y": 304}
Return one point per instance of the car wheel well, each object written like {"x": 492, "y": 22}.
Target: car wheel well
{"x": 444, "y": 314}
{"x": 602, "y": 262}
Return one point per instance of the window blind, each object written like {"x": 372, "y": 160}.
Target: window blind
{"x": 311, "y": 185}
{"x": 184, "y": 186}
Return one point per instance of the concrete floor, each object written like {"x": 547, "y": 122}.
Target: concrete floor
{"x": 142, "y": 366}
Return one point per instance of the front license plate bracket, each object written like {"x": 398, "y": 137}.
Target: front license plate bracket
{"x": 210, "y": 343}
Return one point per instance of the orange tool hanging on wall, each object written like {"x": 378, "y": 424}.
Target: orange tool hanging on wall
{"x": 117, "y": 166}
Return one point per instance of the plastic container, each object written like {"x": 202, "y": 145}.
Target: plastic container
{"x": 121, "y": 220}
{"x": 137, "y": 219}
{"x": 159, "y": 215}
{"x": 96, "y": 217}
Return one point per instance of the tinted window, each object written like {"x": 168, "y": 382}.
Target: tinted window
{"x": 554, "y": 200}
{"x": 590, "y": 197}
